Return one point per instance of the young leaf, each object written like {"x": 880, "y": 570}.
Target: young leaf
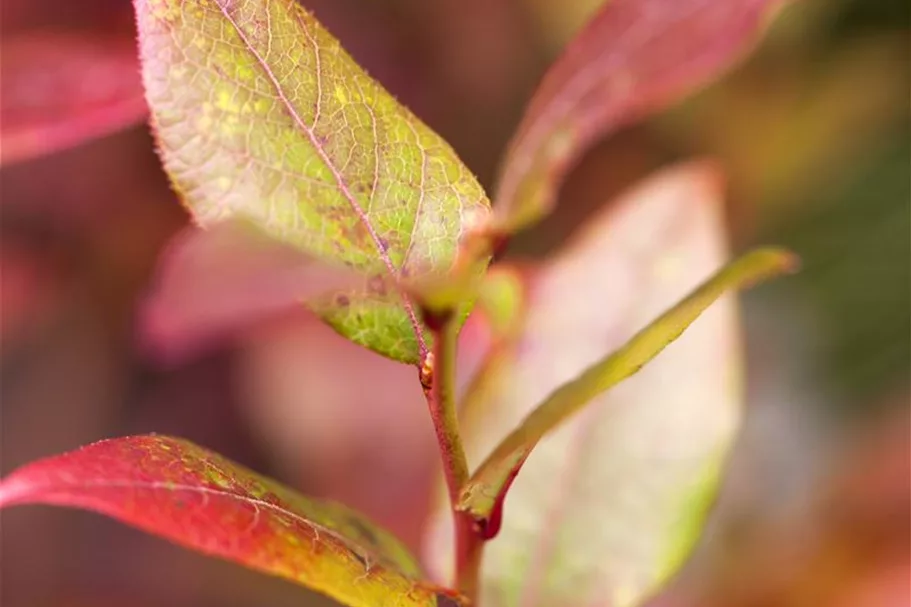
{"x": 179, "y": 491}
{"x": 487, "y": 486}
{"x": 261, "y": 114}
{"x": 60, "y": 90}
{"x": 634, "y": 58}
{"x": 608, "y": 505}
{"x": 212, "y": 281}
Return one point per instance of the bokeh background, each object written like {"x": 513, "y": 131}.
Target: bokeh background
{"x": 813, "y": 131}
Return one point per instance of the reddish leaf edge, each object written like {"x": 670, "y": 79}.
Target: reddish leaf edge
{"x": 506, "y": 219}
{"x": 16, "y": 490}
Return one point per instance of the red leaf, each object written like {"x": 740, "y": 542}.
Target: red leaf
{"x": 635, "y": 57}
{"x": 62, "y": 89}
{"x": 177, "y": 490}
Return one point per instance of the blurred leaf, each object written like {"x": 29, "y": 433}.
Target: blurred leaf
{"x": 634, "y": 58}
{"x": 213, "y": 281}
{"x": 607, "y": 506}
{"x": 559, "y": 20}
{"x": 62, "y": 89}
{"x": 487, "y": 486}
{"x": 31, "y": 290}
{"x": 277, "y": 124}
{"x": 501, "y": 298}
{"x": 172, "y": 488}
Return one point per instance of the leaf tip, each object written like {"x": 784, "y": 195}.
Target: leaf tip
{"x": 777, "y": 261}
{"x": 13, "y": 491}
{"x": 706, "y": 175}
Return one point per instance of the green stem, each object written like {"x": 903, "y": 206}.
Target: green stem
{"x": 439, "y": 377}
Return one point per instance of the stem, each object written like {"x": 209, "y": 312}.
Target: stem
{"x": 438, "y": 377}
{"x": 469, "y": 550}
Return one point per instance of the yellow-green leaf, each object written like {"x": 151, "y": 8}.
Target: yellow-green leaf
{"x": 486, "y": 485}
{"x": 260, "y": 114}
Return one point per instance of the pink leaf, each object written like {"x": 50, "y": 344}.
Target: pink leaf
{"x": 213, "y": 281}
{"x": 62, "y": 89}
{"x": 635, "y": 57}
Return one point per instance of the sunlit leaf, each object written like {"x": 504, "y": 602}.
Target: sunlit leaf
{"x": 62, "y": 89}
{"x": 177, "y": 490}
{"x": 634, "y": 58}
{"x": 609, "y": 504}
{"x": 261, "y": 114}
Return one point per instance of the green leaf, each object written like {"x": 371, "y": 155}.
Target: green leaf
{"x": 198, "y": 499}
{"x": 501, "y": 298}
{"x": 260, "y": 114}
{"x": 609, "y": 503}
{"x": 487, "y": 484}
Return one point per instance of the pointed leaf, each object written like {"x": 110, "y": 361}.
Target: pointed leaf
{"x": 62, "y": 89}
{"x": 487, "y": 485}
{"x": 210, "y": 282}
{"x": 608, "y": 505}
{"x": 261, "y": 114}
{"x": 634, "y": 58}
{"x": 193, "y": 497}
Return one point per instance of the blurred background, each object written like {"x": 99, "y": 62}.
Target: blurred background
{"x": 813, "y": 131}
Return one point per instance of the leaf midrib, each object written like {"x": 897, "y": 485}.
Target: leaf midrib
{"x": 169, "y": 487}
{"x": 336, "y": 174}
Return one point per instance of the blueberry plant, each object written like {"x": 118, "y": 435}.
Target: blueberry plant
{"x": 310, "y": 184}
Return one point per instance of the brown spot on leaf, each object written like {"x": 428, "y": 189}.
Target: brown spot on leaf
{"x": 342, "y": 301}
{"x": 444, "y": 600}
{"x": 360, "y": 559}
{"x": 377, "y": 285}
{"x": 364, "y": 531}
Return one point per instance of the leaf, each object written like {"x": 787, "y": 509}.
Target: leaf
{"x": 486, "y": 487}
{"x": 177, "y": 490}
{"x": 210, "y": 282}
{"x": 634, "y": 58}
{"x": 260, "y": 114}
{"x": 63, "y": 89}
{"x": 607, "y": 506}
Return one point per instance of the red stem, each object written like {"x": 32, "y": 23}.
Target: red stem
{"x": 438, "y": 379}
